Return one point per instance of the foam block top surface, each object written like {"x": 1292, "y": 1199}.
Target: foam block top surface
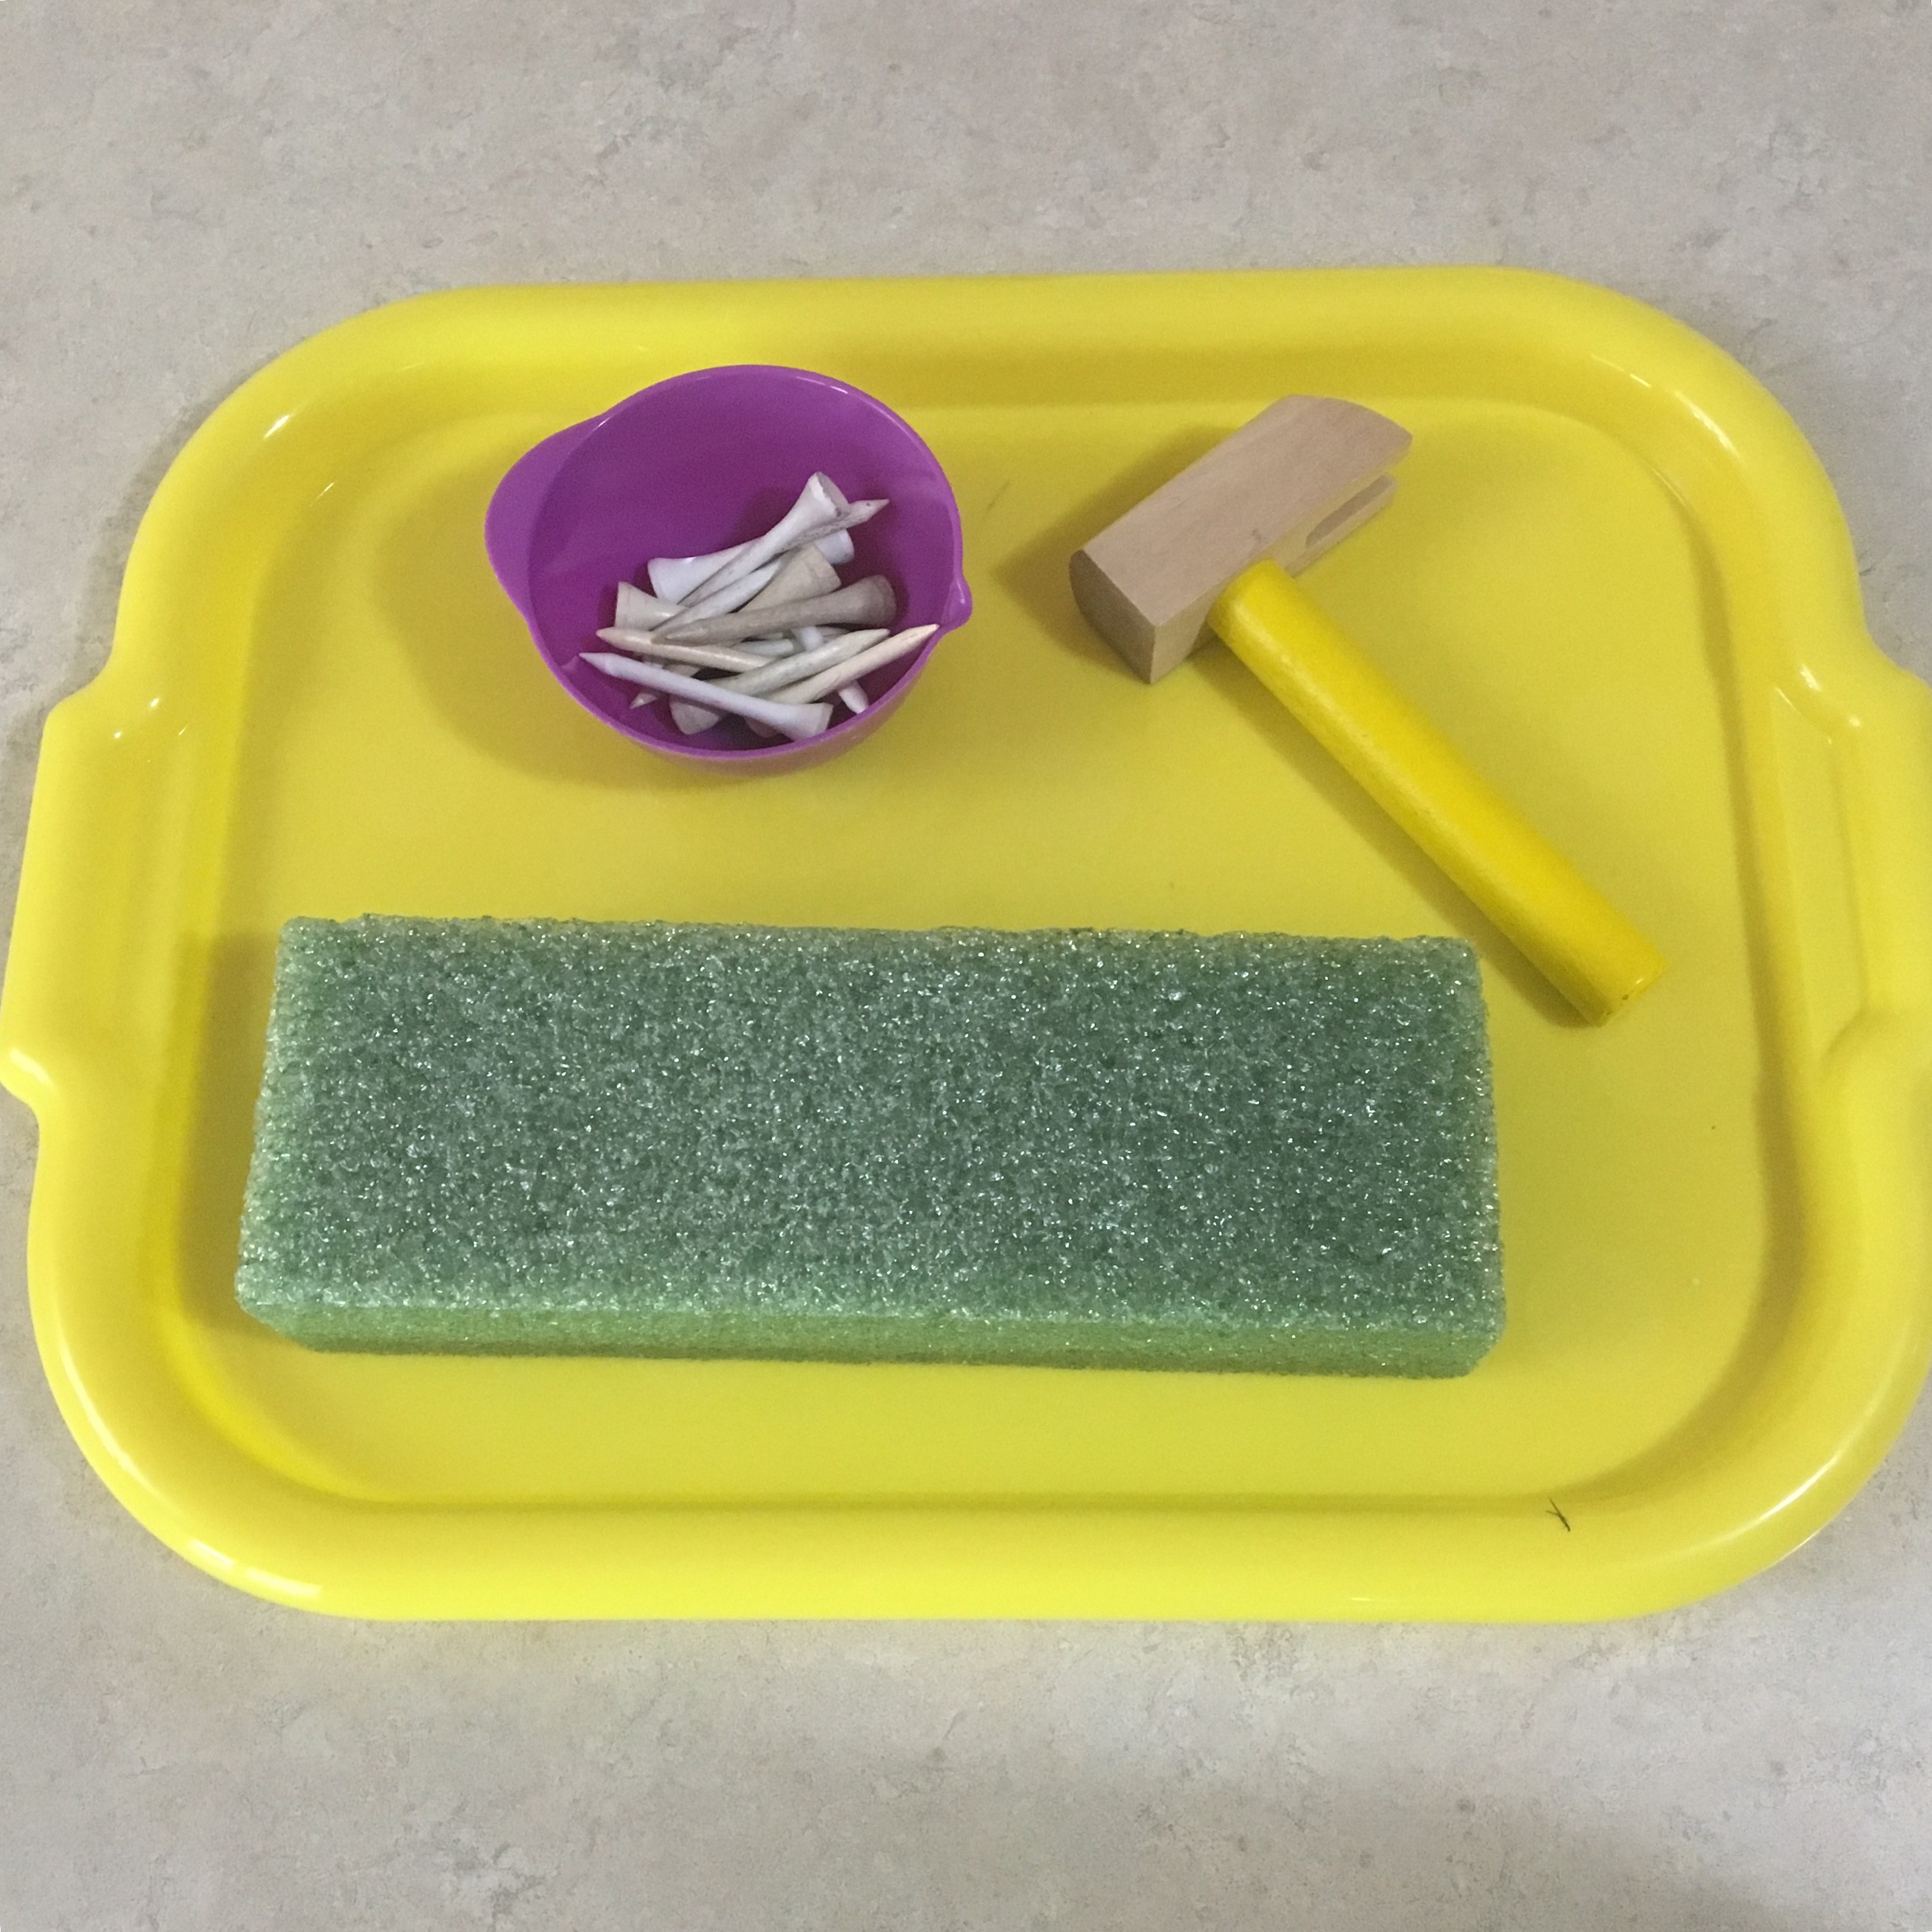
{"x": 482, "y": 1134}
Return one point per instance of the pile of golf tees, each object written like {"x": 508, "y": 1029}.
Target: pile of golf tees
{"x": 764, "y": 631}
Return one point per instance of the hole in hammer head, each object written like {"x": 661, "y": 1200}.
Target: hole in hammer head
{"x": 1332, "y": 524}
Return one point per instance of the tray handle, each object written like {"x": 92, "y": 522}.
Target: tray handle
{"x": 1857, "y": 789}
{"x": 110, "y": 801}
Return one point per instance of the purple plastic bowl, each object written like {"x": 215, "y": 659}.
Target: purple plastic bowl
{"x": 690, "y": 465}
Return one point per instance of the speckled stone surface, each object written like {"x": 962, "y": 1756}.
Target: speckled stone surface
{"x": 187, "y": 189}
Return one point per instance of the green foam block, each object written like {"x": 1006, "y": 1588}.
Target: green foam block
{"x": 1072, "y": 1148}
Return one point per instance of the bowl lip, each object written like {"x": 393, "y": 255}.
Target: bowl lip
{"x": 576, "y": 437}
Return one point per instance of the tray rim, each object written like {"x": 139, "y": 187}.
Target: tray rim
{"x": 209, "y": 1501}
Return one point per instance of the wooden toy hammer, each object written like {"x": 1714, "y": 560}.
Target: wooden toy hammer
{"x": 1212, "y": 550}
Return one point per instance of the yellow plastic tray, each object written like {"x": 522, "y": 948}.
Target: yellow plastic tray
{"x": 1614, "y": 571}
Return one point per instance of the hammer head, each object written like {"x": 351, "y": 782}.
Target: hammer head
{"x": 1289, "y": 485}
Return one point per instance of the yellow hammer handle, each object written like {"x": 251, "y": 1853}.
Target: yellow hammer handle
{"x": 1588, "y": 950}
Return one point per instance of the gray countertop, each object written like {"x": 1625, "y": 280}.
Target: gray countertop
{"x": 187, "y": 187}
